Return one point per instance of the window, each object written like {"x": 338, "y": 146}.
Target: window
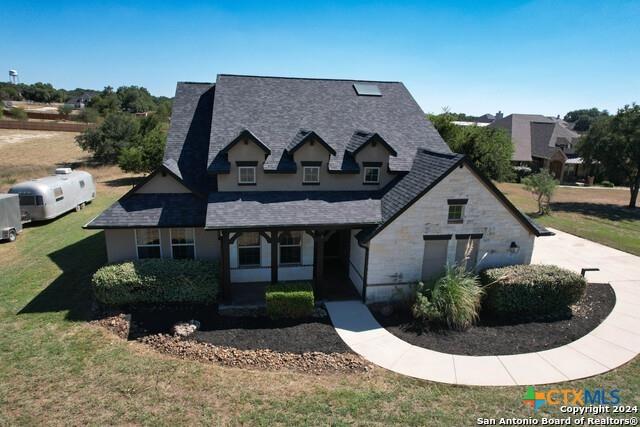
{"x": 183, "y": 243}
{"x": 148, "y": 243}
{"x": 246, "y": 175}
{"x": 371, "y": 175}
{"x": 81, "y": 183}
{"x": 311, "y": 175}
{"x": 28, "y": 200}
{"x": 249, "y": 249}
{"x": 456, "y": 214}
{"x": 291, "y": 247}
{"x": 57, "y": 193}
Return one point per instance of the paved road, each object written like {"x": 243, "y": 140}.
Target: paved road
{"x": 615, "y": 342}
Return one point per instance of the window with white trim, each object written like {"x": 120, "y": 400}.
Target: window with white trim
{"x": 249, "y": 249}
{"x": 290, "y": 245}
{"x": 183, "y": 243}
{"x": 246, "y": 175}
{"x": 311, "y": 174}
{"x": 58, "y": 194}
{"x": 148, "y": 243}
{"x": 371, "y": 175}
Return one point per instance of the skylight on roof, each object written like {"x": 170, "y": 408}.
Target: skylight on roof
{"x": 367, "y": 89}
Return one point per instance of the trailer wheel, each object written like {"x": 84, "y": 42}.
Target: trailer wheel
{"x": 12, "y": 235}
{"x": 79, "y": 207}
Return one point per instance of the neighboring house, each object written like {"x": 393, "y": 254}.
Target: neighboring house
{"x": 482, "y": 121}
{"x": 540, "y": 141}
{"x": 79, "y": 102}
{"x": 342, "y": 182}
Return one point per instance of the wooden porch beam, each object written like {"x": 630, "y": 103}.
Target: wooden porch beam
{"x": 225, "y": 270}
{"x": 235, "y": 237}
{"x": 265, "y": 236}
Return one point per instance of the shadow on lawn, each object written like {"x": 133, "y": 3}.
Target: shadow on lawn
{"x": 71, "y": 290}
{"x": 599, "y": 210}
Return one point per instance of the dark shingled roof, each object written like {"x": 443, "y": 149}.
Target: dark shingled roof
{"x": 275, "y": 109}
{"x": 361, "y": 138}
{"x": 253, "y": 209}
{"x": 187, "y": 145}
{"x": 428, "y": 169}
{"x": 153, "y": 210}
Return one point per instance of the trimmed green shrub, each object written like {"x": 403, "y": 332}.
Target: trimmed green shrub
{"x": 18, "y": 113}
{"x": 607, "y": 184}
{"x": 157, "y": 281}
{"x": 453, "y": 300}
{"x": 530, "y": 290}
{"x": 289, "y": 299}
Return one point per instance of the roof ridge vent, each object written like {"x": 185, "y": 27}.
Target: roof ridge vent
{"x": 63, "y": 171}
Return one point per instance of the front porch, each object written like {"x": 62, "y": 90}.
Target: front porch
{"x": 251, "y": 259}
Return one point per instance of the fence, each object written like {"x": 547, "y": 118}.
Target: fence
{"x": 50, "y": 126}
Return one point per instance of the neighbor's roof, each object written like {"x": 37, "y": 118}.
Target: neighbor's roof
{"x": 153, "y": 210}
{"x": 534, "y": 135}
{"x": 276, "y": 109}
{"x": 187, "y": 145}
{"x": 262, "y": 209}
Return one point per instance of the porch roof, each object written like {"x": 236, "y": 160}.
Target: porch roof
{"x": 279, "y": 209}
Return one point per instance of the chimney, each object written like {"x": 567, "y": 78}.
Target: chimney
{"x": 499, "y": 115}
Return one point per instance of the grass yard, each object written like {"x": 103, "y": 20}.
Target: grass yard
{"x": 57, "y": 369}
{"x": 596, "y": 214}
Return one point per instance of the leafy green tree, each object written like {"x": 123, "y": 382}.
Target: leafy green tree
{"x": 163, "y": 111}
{"x": 615, "y": 144}
{"x": 18, "y": 113}
{"x": 106, "y": 142}
{"x": 1, "y": 111}
{"x": 88, "y": 115}
{"x": 584, "y": 118}
{"x": 135, "y": 99}
{"x": 65, "y": 111}
{"x": 490, "y": 149}
{"x": 542, "y": 185}
{"x": 145, "y": 152}
{"x": 106, "y": 102}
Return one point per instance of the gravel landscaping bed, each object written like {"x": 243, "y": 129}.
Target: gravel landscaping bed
{"x": 309, "y": 362}
{"x": 490, "y": 337}
{"x": 307, "y": 345}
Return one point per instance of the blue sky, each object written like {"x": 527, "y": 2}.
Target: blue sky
{"x": 528, "y": 57}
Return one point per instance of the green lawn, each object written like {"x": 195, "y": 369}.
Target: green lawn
{"x": 55, "y": 368}
{"x": 596, "y": 214}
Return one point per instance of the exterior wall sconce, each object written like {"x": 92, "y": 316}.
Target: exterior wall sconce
{"x": 514, "y": 248}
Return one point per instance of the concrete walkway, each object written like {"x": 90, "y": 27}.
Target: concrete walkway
{"x": 615, "y": 342}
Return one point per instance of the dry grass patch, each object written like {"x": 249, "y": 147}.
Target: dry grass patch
{"x": 31, "y": 154}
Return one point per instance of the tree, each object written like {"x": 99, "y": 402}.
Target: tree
{"x": 615, "y": 144}
{"x": 542, "y": 185}
{"x": 18, "y": 113}
{"x": 106, "y": 142}
{"x": 65, "y": 111}
{"x": 88, "y": 115}
{"x": 106, "y": 102}
{"x": 584, "y": 118}
{"x": 135, "y": 99}
{"x": 490, "y": 149}
{"x": 145, "y": 153}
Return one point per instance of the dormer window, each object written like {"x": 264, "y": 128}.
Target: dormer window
{"x": 246, "y": 173}
{"x": 311, "y": 173}
{"x": 371, "y": 173}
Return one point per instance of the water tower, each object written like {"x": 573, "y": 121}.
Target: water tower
{"x": 13, "y": 77}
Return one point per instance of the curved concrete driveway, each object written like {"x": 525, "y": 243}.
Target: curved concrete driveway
{"x": 615, "y": 342}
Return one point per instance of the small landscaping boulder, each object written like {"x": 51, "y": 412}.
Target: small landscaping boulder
{"x": 290, "y": 299}
{"x": 184, "y": 329}
{"x": 521, "y": 291}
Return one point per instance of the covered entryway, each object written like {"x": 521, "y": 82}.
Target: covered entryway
{"x": 335, "y": 282}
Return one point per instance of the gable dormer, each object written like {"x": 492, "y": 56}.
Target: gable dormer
{"x": 362, "y": 139}
{"x": 244, "y": 147}
{"x": 304, "y": 137}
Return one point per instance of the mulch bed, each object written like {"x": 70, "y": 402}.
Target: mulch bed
{"x": 491, "y": 337}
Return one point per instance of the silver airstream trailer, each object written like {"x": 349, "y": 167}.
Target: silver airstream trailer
{"x": 50, "y": 197}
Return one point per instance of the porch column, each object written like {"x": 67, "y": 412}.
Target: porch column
{"x": 274, "y": 256}
{"x": 318, "y": 256}
{"x": 225, "y": 271}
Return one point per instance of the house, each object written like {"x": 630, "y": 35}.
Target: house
{"x": 541, "y": 142}
{"x": 79, "y": 102}
{"x": 342, "y": 182}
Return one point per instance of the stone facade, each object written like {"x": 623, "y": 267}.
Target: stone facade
{"x": 396, "y": 253}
